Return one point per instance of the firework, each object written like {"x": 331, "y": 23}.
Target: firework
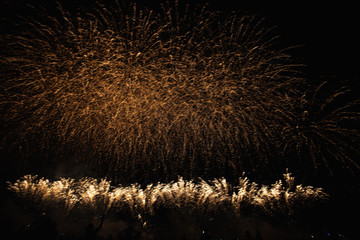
{"x": 322, "y": 126}
{"x": 156, "y": 92}
{"x": 204, "y": 197}
{"x": 164, "y": 93}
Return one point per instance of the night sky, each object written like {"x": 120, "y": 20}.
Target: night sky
{"x": 322, "y": 36}
{"x": 325, "y": 35}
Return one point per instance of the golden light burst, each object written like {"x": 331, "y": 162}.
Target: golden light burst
{"x": 282, "y": 198}
{"x": 180, "y": 90}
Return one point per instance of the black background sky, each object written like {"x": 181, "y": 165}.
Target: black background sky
{"x": 327, "y": 32}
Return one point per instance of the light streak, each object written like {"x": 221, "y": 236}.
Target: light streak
{"x": 166, "y": 93}
{"x": 143, "y": 91}
{"x": 204, "y": 197}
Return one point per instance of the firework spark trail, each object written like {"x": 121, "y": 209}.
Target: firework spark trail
{"x": 204, "y": 197}
{"x": 172, "y": 92}
{"x": 188, "y": 88}
{"x": 320, "y": 126}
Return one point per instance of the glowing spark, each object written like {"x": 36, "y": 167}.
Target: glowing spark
{"x": 164, "y": 93}
{"x": 133, "y": 86}
{"x": 203, "y": 197}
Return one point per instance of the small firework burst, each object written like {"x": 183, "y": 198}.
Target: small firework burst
{"x": 322, "y": 126}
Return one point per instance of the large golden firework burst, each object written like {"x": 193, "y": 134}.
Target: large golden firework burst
{"x": 182, "y": 90}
